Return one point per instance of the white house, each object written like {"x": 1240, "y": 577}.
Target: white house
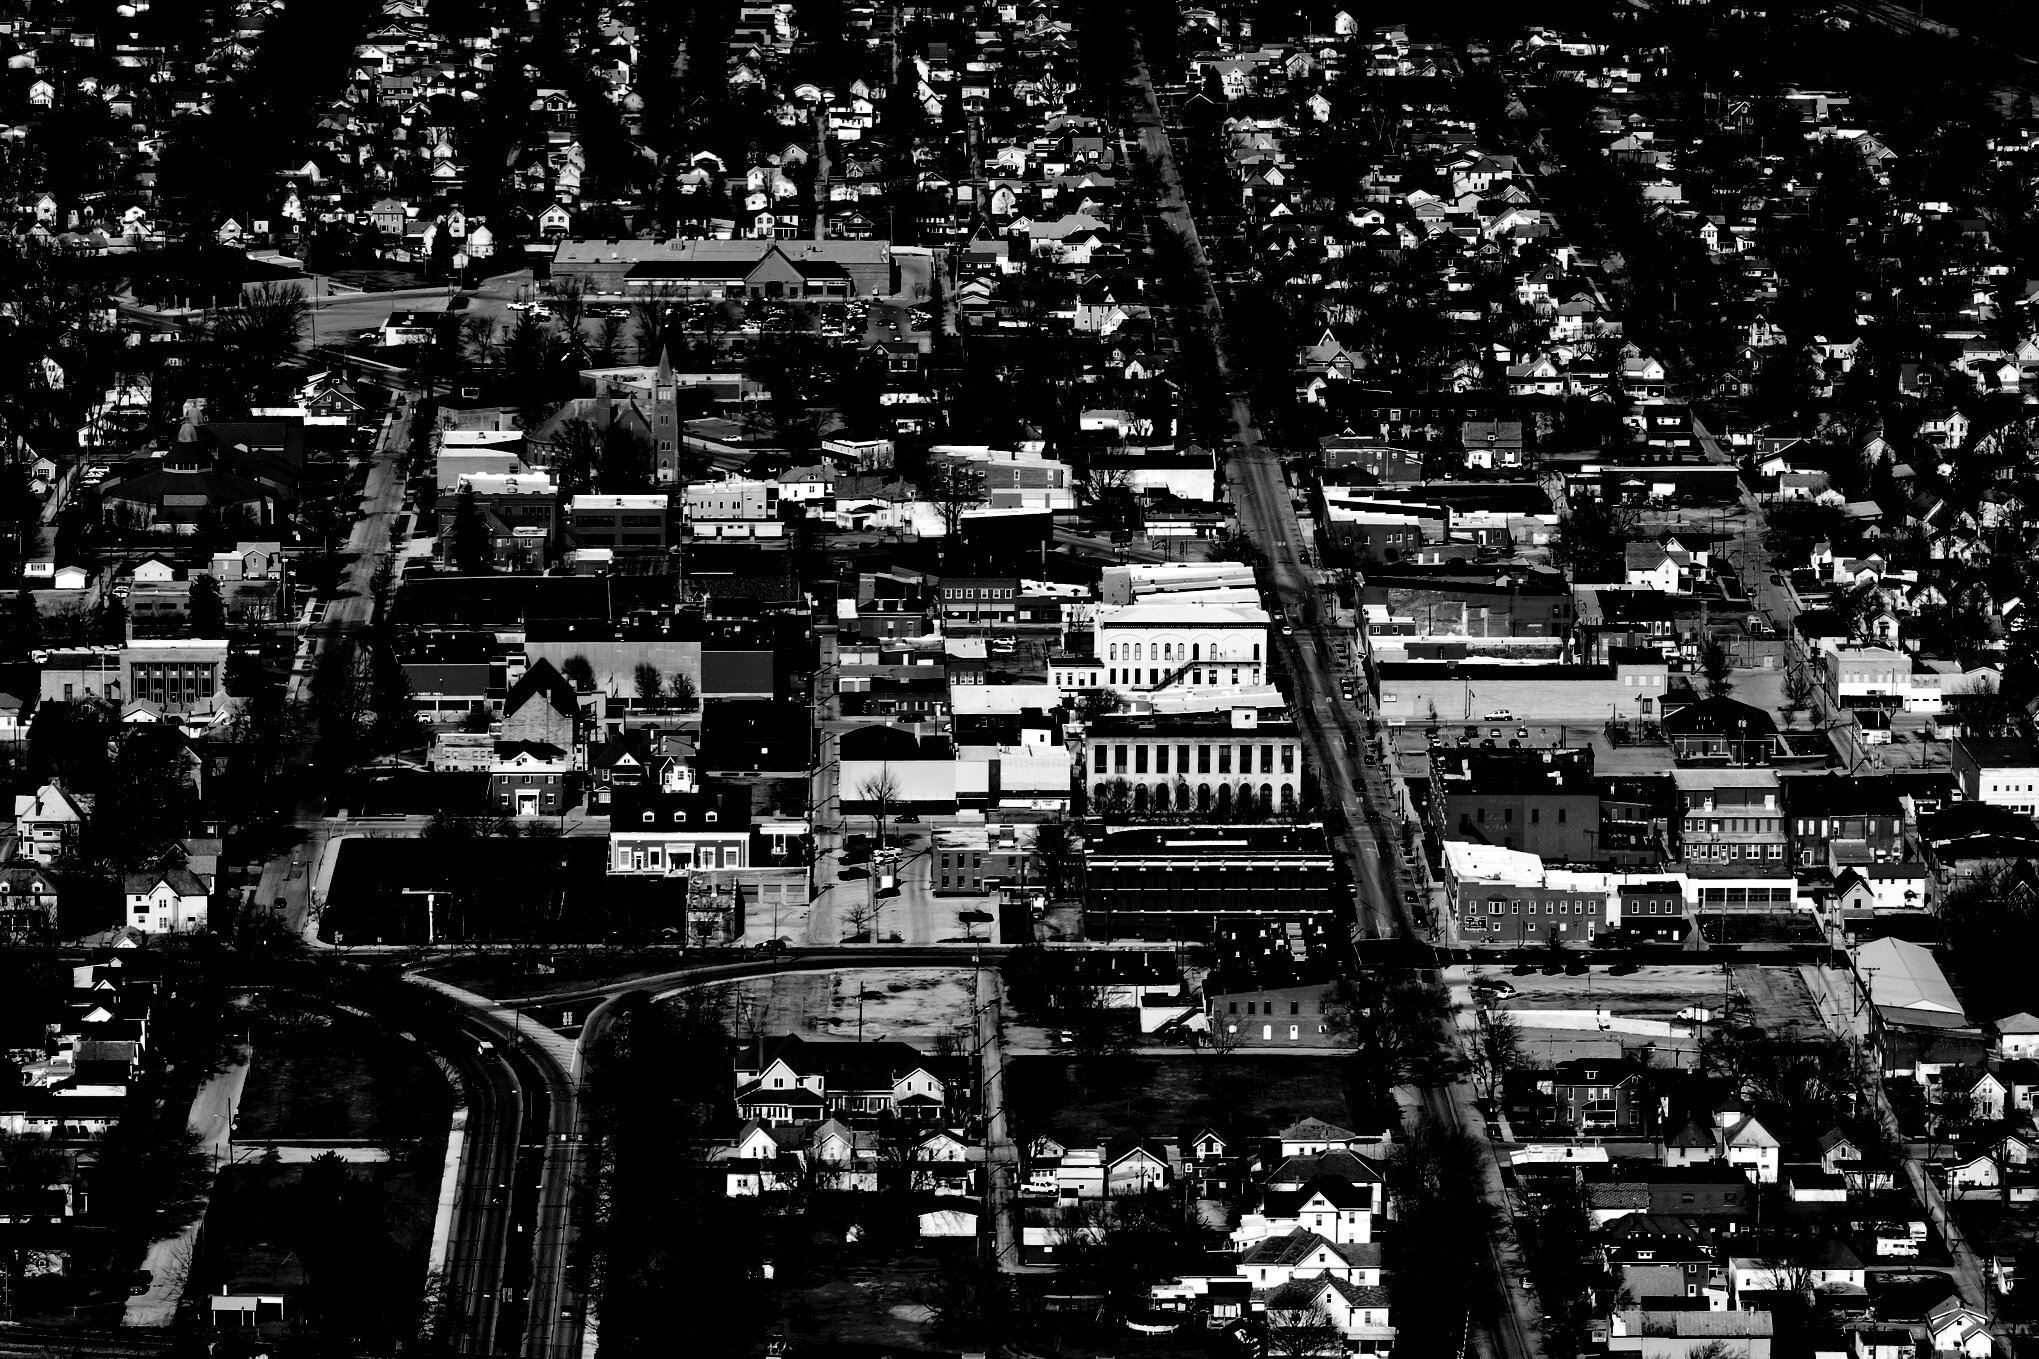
{"x": 1302, "y": 1255}
{"x": 166, "y": 901}
{"x": 47, "y": 821}
{"x": 2018, "y": 1036}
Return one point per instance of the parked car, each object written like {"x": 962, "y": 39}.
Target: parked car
{"x": 772, "y": 946}
{"x": 1494, "y": 986}
{"x": 1499, "y": 715}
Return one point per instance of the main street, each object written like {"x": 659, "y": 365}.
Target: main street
{"x": 1506, "y": 1316}
{"x": 288, "y": 877}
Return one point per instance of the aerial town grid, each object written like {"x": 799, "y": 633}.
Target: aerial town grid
{"x": 1055, "y": 679}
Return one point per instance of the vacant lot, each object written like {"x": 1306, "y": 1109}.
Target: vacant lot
{"x": 1110, "y": 1097}
{"x": 908, "y": 1004}
{"x": 1777, "y": 996}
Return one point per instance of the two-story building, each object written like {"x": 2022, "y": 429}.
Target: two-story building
{"x": 1606, "y": 1095}
{"x": 167, "y": 900}
{"x": 2003, "y": 772}
{"x": 48, "y": 822}
{"x": 627, "y": 525}
{"x": 674, "y": 823}
{"x": 1858, "y": 816}
{"x": 978, "y": 603}
{"x": 1880, "y": 675}
{"x": 1654, "y": 911}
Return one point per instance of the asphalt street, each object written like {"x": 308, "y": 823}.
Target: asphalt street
{"x": 1506, "y": 1323}
{"x": 478, "y": 1250}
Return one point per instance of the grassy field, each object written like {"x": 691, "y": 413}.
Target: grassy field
{"x": 1157, "y": 1096}
{"x": 317, "y": 1075}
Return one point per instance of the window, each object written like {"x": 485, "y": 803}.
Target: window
{"x": 1535, "y": 816}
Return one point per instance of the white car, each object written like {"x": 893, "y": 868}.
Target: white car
{"x": 1500, "y": 715}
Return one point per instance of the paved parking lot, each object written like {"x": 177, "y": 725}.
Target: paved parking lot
{"x": 1779, "y": 1001}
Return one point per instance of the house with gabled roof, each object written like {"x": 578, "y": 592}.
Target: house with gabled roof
{"x": 166, "y": 900}
{"x": 1313, "y": 1137}
{"x": 794, "y": 1079}
{"x": 1273, "y": 1261}
{"x": 1332, "y": 1206}
{"x": 48, "y": 822}
{"x": 1955, "y": 1328}
{"x": 541, "y": 709}
{"x": 1358, "y": 1312}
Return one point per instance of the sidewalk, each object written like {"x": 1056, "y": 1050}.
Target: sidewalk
{"x": 169, "y": 1261}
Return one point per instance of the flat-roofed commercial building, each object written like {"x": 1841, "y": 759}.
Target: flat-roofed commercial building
{"x": 1184, "y": 882}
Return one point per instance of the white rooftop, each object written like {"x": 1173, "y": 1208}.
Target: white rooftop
{"x": 1162, "y": 612}
{"x": 1904, "y": 976}
{"x": 1469, "y": 862}
{"x": 967, "y": 700}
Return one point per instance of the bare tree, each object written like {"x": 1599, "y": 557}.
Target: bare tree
{"x": 1798, "y": 687}
{"x": 857, "y": 917}
{"x": 881, "y": 790}
{"x": 570, "y": 304}
{"x": 1494, "y": 1051}
{"x": 955, "y": 489}
{"x": 478, "y": 339}
{"x": 649, "y": 315}
{"x": 1299, "y": 1327}
{"x": 609, "y": 340}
